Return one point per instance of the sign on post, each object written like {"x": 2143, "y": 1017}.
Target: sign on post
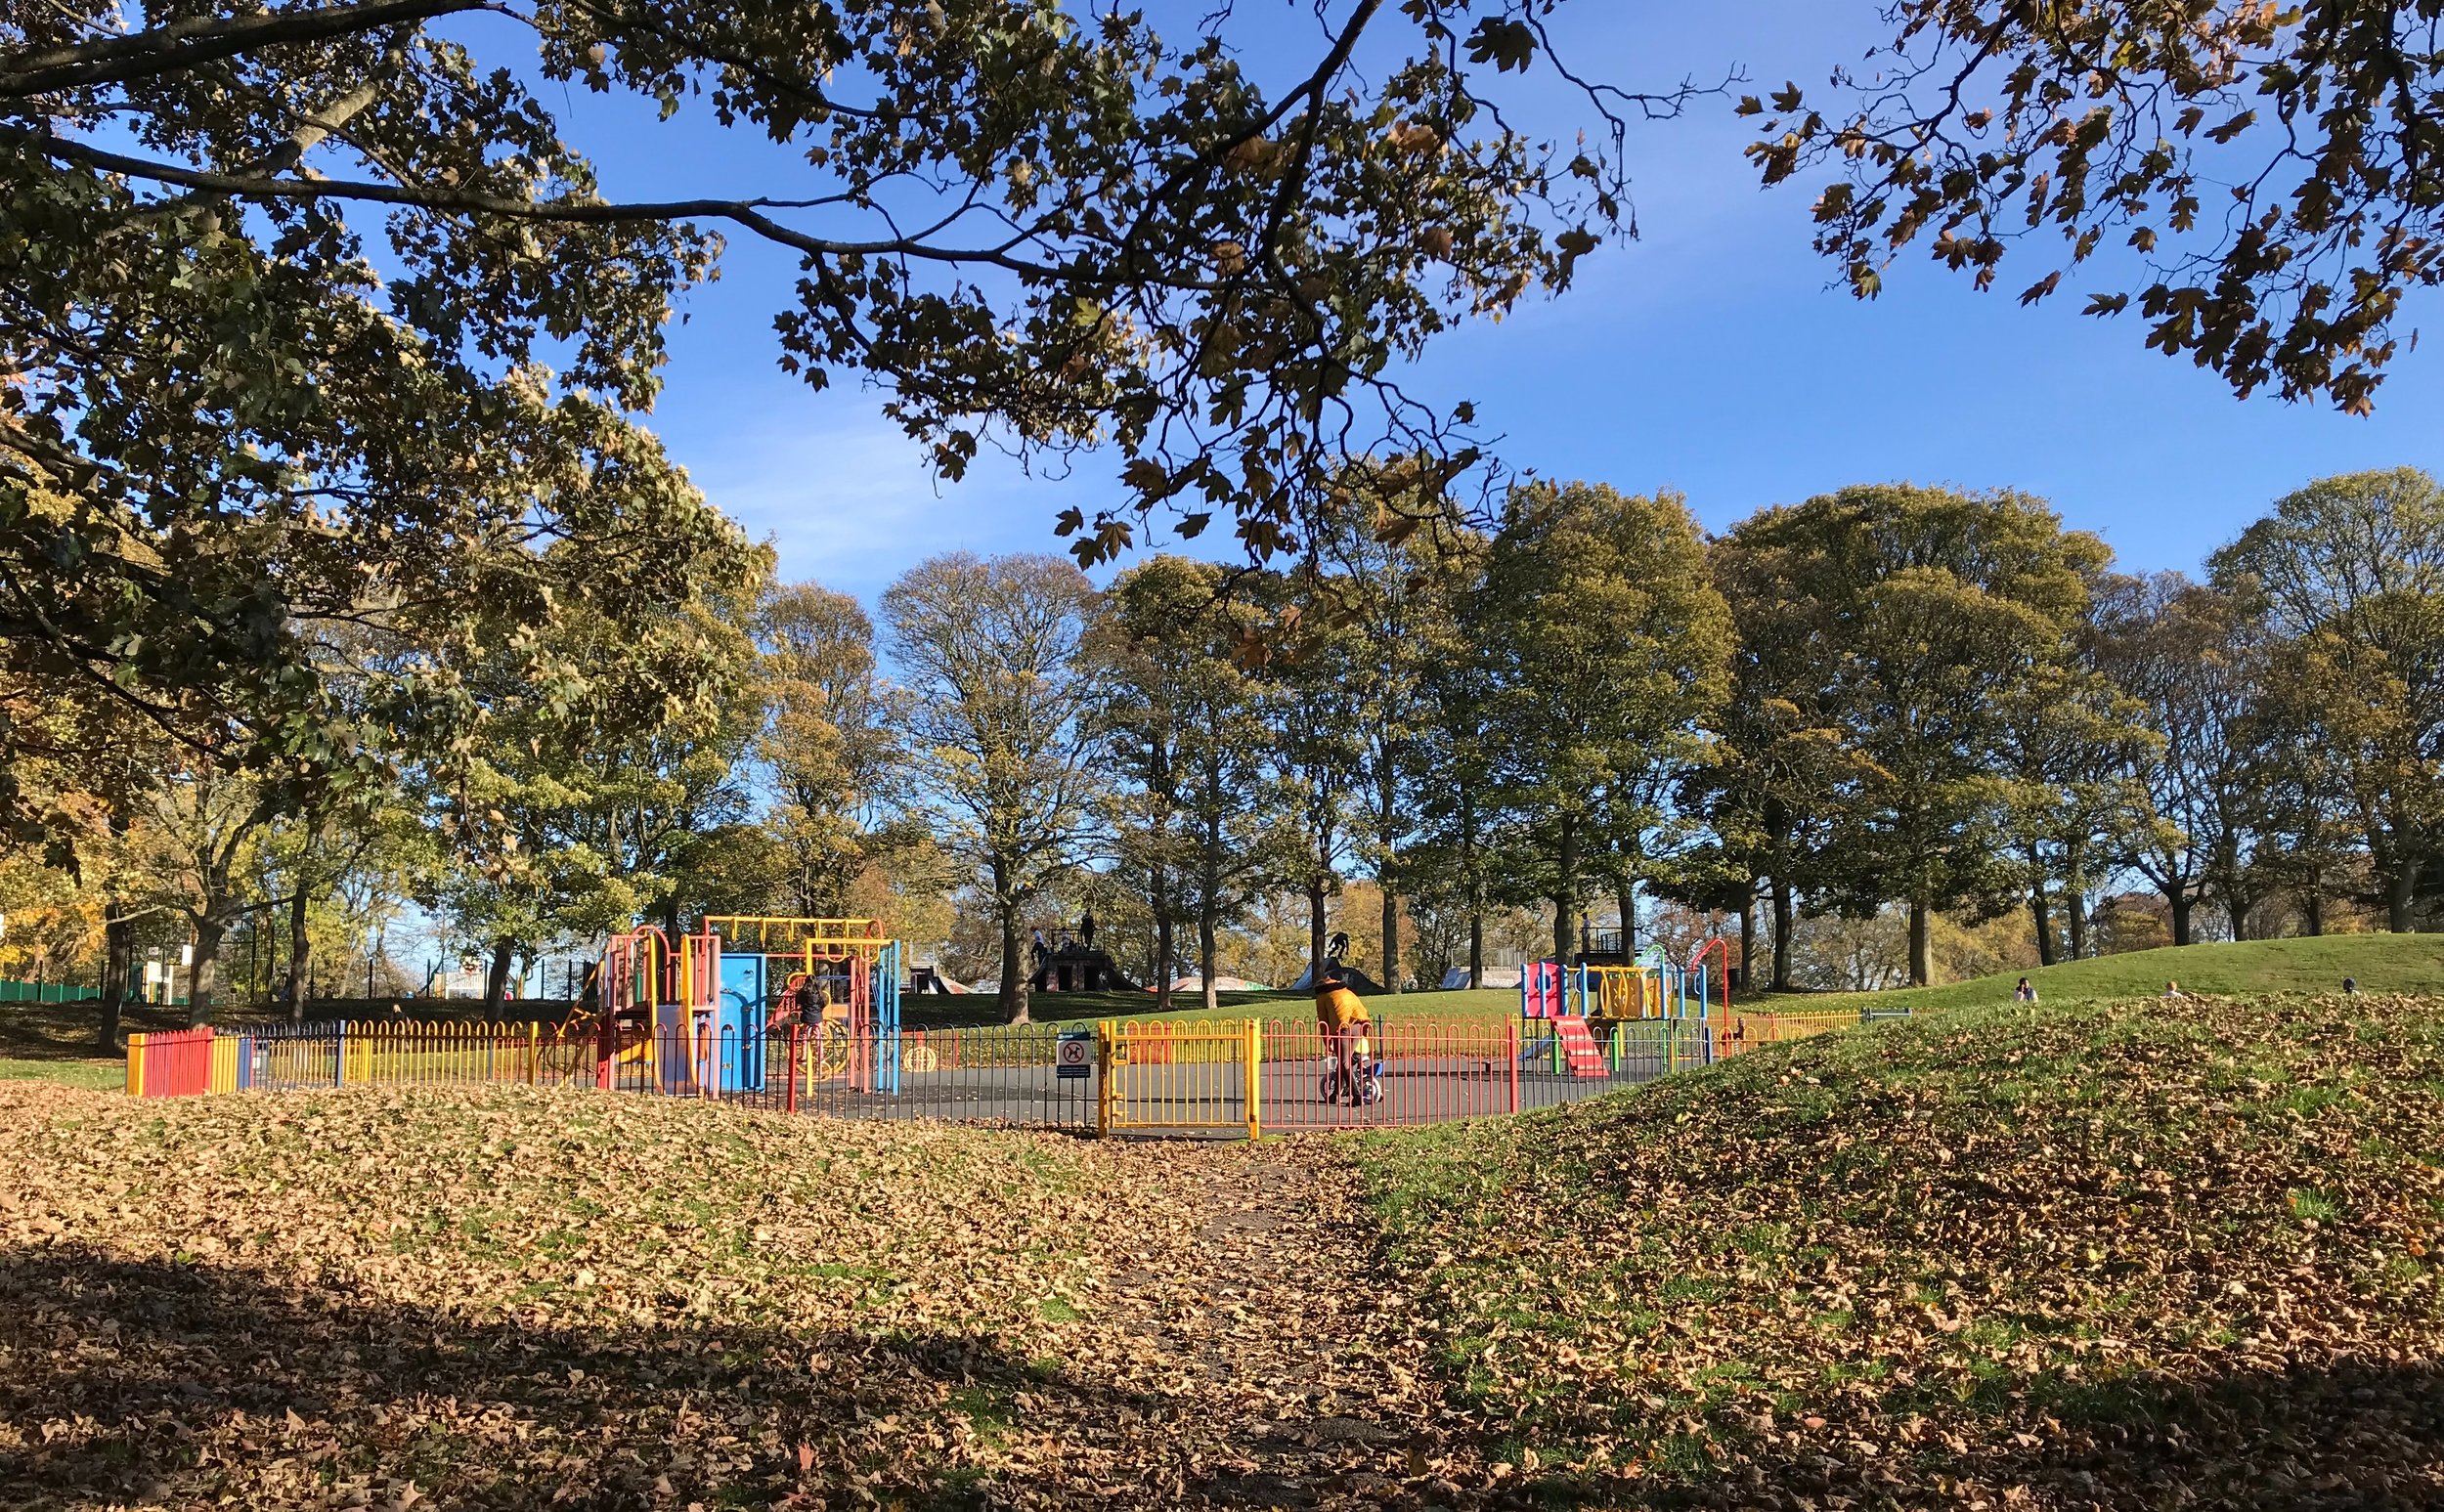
{"x": 1075, "y": 1055}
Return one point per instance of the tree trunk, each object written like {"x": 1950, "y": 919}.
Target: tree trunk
{"x": 2076, "y": 907}
{"x": 1476, "y": 946}
{"x": 1165, "y": 946}
{"x": 1625, "y": 902}
{"x": 2397, "y": 890}
{"x": 1921, "y": 944}
{"x": 2312, "y": 903}
{"x": 1014, "y": 967}
{"x": 1565, "y": 894}
{"x": 2238, "y": 909}
{"x": 1205, "y": 951}
{"x": 2040, "y": 909}
{"x": 1476, "y": 889}
{"x": 1391, "y": 934}
{"x": 118, "y": 951}
{"x": 1748, "y": 937}
{"x": 1781, "y": 935}
{"x": 1315, "y": 931}
{"x": 300, "y": 956}
{"x": 2180, "y": 900}
{"x": 496, "y": 980}
{"x": 204, "y": 975}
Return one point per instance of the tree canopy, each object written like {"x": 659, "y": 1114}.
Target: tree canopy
{"x": 318, "y": 313}
{"x": 2265, "y": 182}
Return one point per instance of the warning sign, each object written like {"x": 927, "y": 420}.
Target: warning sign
{"x": 1076, "y": 1055}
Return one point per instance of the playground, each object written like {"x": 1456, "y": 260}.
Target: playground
{"x": 804, "y": 1016}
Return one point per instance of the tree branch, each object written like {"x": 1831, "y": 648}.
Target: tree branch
{"x": 184, "y": 44}
{"x": 744, "y": 212}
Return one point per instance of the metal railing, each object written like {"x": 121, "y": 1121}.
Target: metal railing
{"x": 1172, "y": 1076}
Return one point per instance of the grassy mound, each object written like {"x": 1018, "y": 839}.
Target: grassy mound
{"x": 2133, "y": 1255}
{"x": 2382, "y": 964}
{"x": 517, "y": 1299}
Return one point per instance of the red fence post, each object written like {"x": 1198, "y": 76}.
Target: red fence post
{"x": 1511, "y": 1059}
{"x": 795, "y": 1030}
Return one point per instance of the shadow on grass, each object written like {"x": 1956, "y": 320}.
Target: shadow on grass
{"x": 2351, "y": 1434}
{"x": 144, "y": 1383}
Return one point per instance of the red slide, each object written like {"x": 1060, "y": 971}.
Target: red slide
{"x": 1586, "y": 1057}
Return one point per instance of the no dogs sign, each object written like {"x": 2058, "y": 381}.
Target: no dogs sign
{"x": 1077, "y": 1053}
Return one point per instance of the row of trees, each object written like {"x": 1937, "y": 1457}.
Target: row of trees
{"x": 1884, "y": 697}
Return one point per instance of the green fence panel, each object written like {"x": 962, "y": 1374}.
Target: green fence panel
{"x": 45, "y": 992}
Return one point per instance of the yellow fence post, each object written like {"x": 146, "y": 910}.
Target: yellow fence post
{"x": 1103, "y": 1076}
{"x": 1252, "y": 1047}
{"x": 534, "y": 1049}
{"x": 135, "y": 1065}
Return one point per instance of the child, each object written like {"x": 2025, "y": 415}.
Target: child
{"x": 1341, "y": 1016}
{"x": 2024, "y": 992}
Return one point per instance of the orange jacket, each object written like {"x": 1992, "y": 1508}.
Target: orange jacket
{"x": 1337, "y": 1008}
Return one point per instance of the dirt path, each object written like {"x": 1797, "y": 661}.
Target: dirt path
{"x": 1253, "y": 1346}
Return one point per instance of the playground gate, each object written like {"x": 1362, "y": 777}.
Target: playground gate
{"x": 1180, "y": 1077}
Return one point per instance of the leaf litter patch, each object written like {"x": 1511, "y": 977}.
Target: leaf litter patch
{"x": 2129, "y": 1255}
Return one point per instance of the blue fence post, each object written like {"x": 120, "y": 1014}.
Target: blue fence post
{"x": 891, "y": 1018}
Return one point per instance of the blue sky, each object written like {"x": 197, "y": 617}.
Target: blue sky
{"x": 1709, "y": 357}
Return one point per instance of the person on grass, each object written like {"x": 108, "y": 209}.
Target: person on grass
{"x": 1341, "y": 1016}
{"x": 2026, "y": 992}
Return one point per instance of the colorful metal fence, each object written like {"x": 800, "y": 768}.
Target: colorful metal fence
{"x": 1181, "y": 1077}
{"x": 1242, "y": 1077}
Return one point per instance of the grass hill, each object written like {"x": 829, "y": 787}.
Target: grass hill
{"x": 2141, "y": 1254}
{"x": 2381, "y": 964}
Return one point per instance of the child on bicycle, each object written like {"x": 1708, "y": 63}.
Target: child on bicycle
{"x": 1342, "y": 1018}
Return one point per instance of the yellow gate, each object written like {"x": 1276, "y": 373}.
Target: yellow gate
{"x": 1180, "y": 1076}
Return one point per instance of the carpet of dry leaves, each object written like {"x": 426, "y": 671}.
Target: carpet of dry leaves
{"x": 513, "y": 1298}
{"x": 2115, "y": 1257}
{"x": 2143, "y": 1255}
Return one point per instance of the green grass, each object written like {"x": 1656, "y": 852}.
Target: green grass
{"x": 100, "y": 1075}
{"x": 2411, "y": 964}
{"x": 1491, "y": 1004}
